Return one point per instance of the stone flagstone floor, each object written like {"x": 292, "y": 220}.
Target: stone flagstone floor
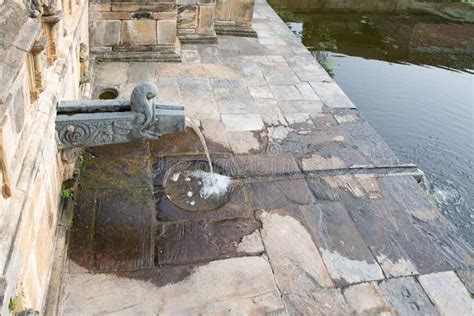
{"x": 306, "y": 233}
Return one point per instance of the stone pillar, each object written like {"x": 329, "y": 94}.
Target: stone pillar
{"x": 234, "y": 17}
{"x": 196, "y": 21}
{"x": 134, "y": 30}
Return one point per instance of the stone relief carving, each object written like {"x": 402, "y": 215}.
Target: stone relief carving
{"x": 84, "y": 61}
{"x": 37, "y": 68}
{"x": 91, "y": 123}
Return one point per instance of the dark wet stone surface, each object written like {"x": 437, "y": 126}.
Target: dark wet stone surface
{"x": 280, "y": 194}
{"x": 136, "y": 148}
{"x": 115, "y": 173}
{"x": 403, "y": 224}
{"x": 265, "y": 165}
{"x": 185, "y": 142}
{"x": 201, "y": 241}
{"x": 123, "y": 230}
{"x": 333, "y": 230}
{"x": 113, "y": 230}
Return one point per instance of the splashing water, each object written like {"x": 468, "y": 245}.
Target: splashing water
{"x": 193, "y": 125}
{"x": 213, "y": 185}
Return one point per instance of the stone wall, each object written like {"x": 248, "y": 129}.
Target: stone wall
{"x": 134, "y": 30}
{"x": 43, "y": 58}
{"x": 196, "y": 21}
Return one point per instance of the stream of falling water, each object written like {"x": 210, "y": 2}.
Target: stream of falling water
{"x": 193, "y": 125}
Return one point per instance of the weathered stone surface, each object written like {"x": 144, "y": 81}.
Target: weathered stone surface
{"x": 293, "y": 256}
{"x": 135, "y": 149}
{"x": 265, "y": 165}
{"x": 447, "y": 293}
{"x": 272, "y": 116}
{"x": 185, "y": 142}
{"x": 467, "y": 277}
{"x": 141, "y": 72}
{"x": 112, "y": 230}
{"x": 215, "y": 288}
{"x": 108, "y": 173}
{"x": 187, "y": 16}
{"x": 285, "y": 92}
{"x": 123, "y": 230}
{"x": 317, "y": 162}
{"x": 260, "y": 92}
{"x": 403, "y": 244}
{"x": 407, "y": 296}
{"x": 242, "y": 122}
{"x": 166, "y": 31}
{"x": 231, "y": 106}
{"x": 202, "y": 241}
{"x": 105, "y": 33}
{"x": 214, "y": 131}
{"x": 332, "y": 95}
{"x": 139, "y": 32}
{"x": 367, "y": 299}
{"x": 320, "y": 302}
{"x": 347, "y": 258}
{"x": 243, "y": 142}
{"x": 278, "y": 194}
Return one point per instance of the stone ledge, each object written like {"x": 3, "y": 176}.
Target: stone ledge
{"x": 138, "y": 56}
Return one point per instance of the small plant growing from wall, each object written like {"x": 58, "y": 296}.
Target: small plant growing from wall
{"x": 66, "y": 193}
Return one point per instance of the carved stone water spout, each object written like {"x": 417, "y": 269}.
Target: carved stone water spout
{"x": 88, "y": 123}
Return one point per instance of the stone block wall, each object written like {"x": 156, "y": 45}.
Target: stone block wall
{"x": 196, "y": 21}
{"x": 234, "y": 17}
{"x": 42, "y": 60}
{"x": 134, "y": 30}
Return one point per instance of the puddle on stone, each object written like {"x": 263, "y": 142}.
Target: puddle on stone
{"x": 190, "y": 186}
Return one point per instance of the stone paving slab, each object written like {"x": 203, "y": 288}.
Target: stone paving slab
{"x": 299, "y": 235}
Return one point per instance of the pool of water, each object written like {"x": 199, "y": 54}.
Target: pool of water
{"x": 411, "y": 77}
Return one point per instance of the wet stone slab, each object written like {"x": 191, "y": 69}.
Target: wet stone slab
{"x": 202, "y": 241}
{"x": 404, "y": 230}
{"x": 115, "y": 173}
{"x": 347, "y": 258}
{"x": 236, "y": 206}
{"x": 279, "y": 194}
{"x": 113, "y": 230}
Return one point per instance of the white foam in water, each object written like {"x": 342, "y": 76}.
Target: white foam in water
{"x": 213, "y": 184}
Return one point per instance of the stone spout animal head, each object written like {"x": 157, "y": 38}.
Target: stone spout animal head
{"x": 141, "y": 101}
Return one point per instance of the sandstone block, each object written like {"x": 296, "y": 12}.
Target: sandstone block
{"x": 206, "y": 16}
{"x": 139, "y": 32}
{"x": 166, "y": 31}
{"x": 99, "y": 7}
{"x": 105, "y": 33}
{"x": 223, "y": 8}
{"x": 242, "y": 10}
{"x": 188, "y": 17}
